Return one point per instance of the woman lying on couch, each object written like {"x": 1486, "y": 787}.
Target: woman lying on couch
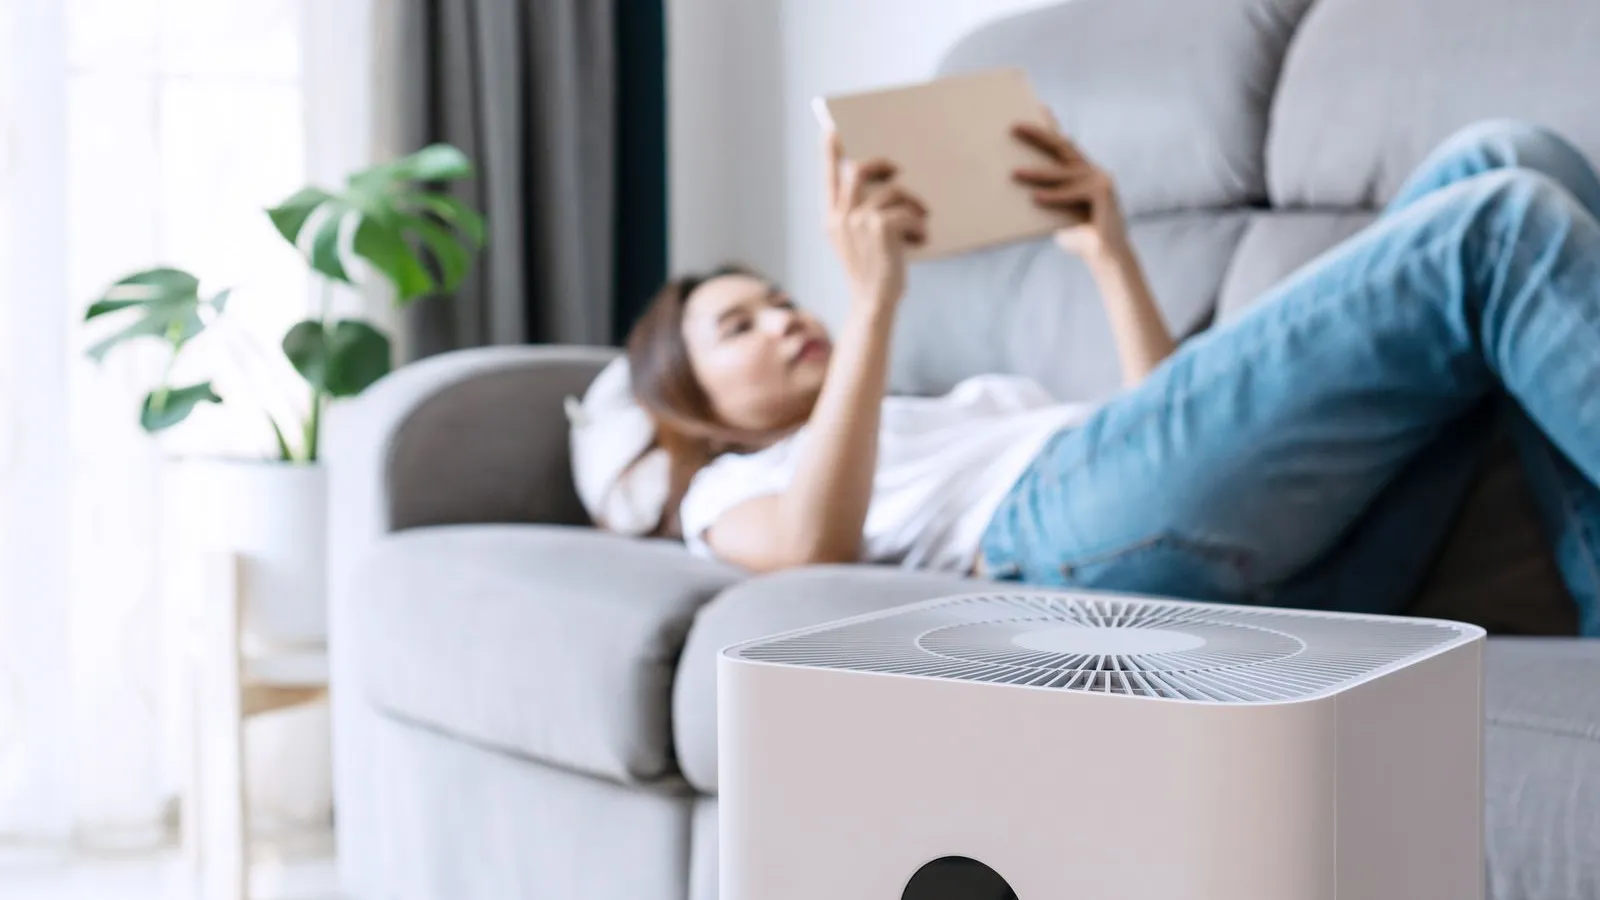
{"x": 1228, "y": 466}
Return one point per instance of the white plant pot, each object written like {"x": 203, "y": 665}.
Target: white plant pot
{"x": 274, "y": 516}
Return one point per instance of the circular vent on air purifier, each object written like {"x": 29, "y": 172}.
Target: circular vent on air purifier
{"x": 1114, "y": 645}
{"x": 957, "y": 878}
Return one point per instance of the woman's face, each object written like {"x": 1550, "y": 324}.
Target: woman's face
{"x": 759, "y": 359}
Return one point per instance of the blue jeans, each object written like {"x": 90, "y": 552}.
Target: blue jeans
{"x": 1312, "y": 452}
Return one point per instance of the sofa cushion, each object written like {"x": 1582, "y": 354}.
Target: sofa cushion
{"x": 769, "y": 605}
{"x": 1032, "y": 309}
{"x": 554, "y": 643}
{"x": 1176, "y": 110}
{"x": 1274, "y": 245}
{"x": 1542, "y": 768}
{"x": 1496, "y": 568}
{"x": 1370, "y": 86}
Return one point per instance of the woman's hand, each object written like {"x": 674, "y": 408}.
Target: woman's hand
{"x": 1068, "y": 180}
{"x": 871, "y": 221}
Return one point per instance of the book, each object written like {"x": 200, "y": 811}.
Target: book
{"x": 952, "y": 143}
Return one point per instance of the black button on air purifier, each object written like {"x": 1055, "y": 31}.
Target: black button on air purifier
{"x": 957, "y": 878}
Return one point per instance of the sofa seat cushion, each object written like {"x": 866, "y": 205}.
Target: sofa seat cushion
{"x": 769, "y": 605}
{"x": 1542, "y": 768}
{"x": 550, "y": 642}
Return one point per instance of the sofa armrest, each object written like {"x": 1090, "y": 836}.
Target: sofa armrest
{"x": 469, "y": 436}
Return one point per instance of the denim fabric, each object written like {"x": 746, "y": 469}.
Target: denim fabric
{"x": 1234, "y": 470}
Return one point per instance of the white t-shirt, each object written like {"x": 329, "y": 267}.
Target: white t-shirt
{"x": 944, "y": 466}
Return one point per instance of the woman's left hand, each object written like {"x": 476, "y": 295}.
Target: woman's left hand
{"x": 1067, "y": 180}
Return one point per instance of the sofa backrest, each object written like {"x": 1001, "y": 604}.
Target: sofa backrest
{"x": 1246, "y": 137}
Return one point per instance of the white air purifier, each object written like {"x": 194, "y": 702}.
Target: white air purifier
{"x": 1055, "y": 746}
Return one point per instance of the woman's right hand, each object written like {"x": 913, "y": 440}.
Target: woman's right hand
{"x": 871, "y": 221}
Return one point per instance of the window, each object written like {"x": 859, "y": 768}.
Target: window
{"x": 136, "y": 133}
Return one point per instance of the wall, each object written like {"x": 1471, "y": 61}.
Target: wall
{"x": 745, "y": 169}
{"x": 724, "y": 133}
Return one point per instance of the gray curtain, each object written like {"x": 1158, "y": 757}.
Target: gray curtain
{"x": 527, "y": 89}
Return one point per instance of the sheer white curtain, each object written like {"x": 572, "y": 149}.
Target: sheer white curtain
{"x": 35, "y": 767}
{"x": 137, "y": 133}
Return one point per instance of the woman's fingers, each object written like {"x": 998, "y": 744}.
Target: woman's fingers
{"x": 1049, "y": 141}
{"x": 864, "y": 194}
{"x": 1063, "y": 186}
{"x": 833, "y": 156}
{"x": 1049, "y": 176}
{"x": 859, "y": 178}
{"x": 1074, "y": 155}
{"x": 1041, "y": 177}
{"x": 895, "y": 195}
{"x": 1041, "y": 139}
{"x": 906, "y": 223}
{"x": 1066, "y": 194}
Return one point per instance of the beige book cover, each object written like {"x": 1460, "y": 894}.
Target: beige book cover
{"x": 952, "y": 141}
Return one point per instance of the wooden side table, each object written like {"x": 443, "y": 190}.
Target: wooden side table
{"x": 227, "y": 687}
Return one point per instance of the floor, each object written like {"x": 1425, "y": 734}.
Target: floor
{"x": 54, "y": 875}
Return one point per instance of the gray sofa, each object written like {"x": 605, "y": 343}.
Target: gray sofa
{"x": 525, "y": 706}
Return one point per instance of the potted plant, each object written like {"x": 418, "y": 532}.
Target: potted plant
{"x": 389, "y": 221}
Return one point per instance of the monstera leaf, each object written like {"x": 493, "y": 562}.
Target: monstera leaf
{"x": 167, "y": 406}
{"x": 420, "y": 240}
{"x": 162, "y": 303}
{"x": 165, "y": 304}
{"x": 340, "y": 359}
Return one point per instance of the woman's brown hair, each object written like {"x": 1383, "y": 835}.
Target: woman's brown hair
{"x": 664, "y": 383}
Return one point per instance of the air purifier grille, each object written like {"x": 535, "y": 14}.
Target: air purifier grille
{"x": 1116, "y": 645}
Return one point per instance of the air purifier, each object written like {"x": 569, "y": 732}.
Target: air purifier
{"x": 1054, "y": 746}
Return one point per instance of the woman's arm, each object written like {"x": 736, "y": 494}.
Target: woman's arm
{"x": 820, "y": 516}
{"x": 1069, "y": 180}
{"x": 1143, "y": 340}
